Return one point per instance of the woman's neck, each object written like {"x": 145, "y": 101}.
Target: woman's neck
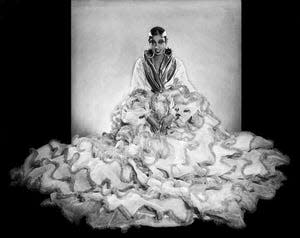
{"x": 158, "y": 57}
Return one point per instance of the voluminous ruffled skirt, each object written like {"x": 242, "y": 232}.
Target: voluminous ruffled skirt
{"x": 166, "y": 161}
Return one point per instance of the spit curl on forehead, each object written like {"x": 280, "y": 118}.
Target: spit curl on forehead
{"x": 157, "y": 31}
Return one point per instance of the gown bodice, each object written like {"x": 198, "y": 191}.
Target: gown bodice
{"x": 158, "y": 78}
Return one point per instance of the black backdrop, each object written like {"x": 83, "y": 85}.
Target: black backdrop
{"x": 36, "y": 90}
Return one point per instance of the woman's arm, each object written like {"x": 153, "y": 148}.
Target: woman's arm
{"x": 181, "y": 77}
{"x": 138, "y": 77}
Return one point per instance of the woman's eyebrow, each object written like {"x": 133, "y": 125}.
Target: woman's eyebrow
{"x": 159, "y": 41}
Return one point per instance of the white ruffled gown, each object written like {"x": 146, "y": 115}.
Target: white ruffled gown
{"x": 166, "y": 161}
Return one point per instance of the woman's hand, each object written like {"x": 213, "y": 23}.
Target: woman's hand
{"x": 154, "y": 124}
{"x": 166, "y": 123}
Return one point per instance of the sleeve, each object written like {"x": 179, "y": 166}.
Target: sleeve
{"x": 181, "y": 77}
{"x": 138, "y": 77}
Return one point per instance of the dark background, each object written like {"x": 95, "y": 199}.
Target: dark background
{"x": 35, "y": 85}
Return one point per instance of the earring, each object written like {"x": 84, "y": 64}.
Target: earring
{"x": 167, "y": 51}
{"x": 150, "y": 53}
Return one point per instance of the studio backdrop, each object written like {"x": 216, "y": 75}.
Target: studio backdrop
{"x": 109, "y": 36}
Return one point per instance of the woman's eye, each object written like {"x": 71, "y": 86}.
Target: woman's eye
{"x": 186, "y": 110}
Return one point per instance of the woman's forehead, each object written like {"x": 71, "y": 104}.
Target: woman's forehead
{"x": 158, "y": 37}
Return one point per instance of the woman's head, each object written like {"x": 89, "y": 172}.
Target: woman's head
{"x": 158, "y": 40}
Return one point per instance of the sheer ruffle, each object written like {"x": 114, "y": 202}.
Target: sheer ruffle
{"x": 166, "y": 161}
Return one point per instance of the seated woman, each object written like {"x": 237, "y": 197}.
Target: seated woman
{"x": 165, "y": 162}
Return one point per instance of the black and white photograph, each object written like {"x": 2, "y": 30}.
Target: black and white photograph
{"x": 149, "y": 117}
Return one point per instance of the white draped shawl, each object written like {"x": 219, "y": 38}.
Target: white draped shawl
{"x": 139, "y": 79}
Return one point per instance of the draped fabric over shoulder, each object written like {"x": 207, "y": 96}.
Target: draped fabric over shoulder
{"x": 171, "y": 71}
{"x": 166, "y": 161}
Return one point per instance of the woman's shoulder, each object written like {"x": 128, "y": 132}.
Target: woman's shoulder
{"x": 179, "y": 63}
{"x": 138, "y": 61}
{"x": 178, "y": 60}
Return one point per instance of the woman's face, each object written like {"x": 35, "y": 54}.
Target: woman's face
{"x": 158, "y": 44}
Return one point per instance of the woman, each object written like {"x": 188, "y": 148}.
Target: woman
{"x": 166, "y": 161}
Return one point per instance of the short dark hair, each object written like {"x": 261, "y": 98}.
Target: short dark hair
{"x": 157, "y": 30}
